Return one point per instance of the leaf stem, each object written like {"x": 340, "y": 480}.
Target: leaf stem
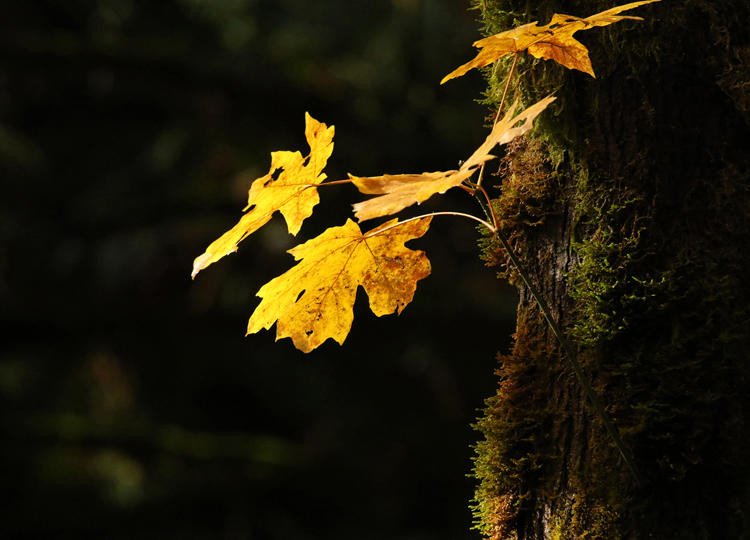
{"x": 500, "y": 109}
{"x": 305, "y": 185}
{"x": 431, "y": 214}
{"x": 489, "y": 206}
{"x": 507, "y": 85}
{"x": 333, "y": 183}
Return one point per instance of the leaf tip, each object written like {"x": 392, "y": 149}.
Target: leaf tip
{"x": 199, "y": 264}
{"x": 458, "y": 72}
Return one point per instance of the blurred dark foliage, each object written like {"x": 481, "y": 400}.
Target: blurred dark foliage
{"x": 132, "y": 405}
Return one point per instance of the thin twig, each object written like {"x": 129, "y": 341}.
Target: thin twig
{"x": 570, "y": 354}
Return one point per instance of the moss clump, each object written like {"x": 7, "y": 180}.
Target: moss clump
{"x": 529, "y": 193}
{"x": 511, "y": 458}
{"x": 586, "y": 520}
{"x": 650, "y": 199}
{"x": 609, "y": 284}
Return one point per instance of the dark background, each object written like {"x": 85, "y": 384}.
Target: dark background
{"x": 132, "y": 404}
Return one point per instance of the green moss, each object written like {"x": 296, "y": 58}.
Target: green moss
{"x": 510, "y": 460}
{"x": 530, "y": 193}
{"x": 585, "y": 521}
{"x": 609, "y": 282}
{"x": 659, "y": 303}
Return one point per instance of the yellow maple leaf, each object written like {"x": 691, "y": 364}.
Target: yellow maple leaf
{"x": 288, "y": 188}
{"x": 512, "y": 125}
{"x": 398, "y": 191}
{"x": 495, "y": 47}
{"x": 553, "y": 41}
{"x": 562, "y": 47}
{"x": 314, "y": 300}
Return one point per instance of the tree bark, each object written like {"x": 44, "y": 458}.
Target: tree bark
{"x": 630, "y": 209}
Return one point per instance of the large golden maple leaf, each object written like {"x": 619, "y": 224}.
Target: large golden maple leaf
{"x": 314, "y": 300}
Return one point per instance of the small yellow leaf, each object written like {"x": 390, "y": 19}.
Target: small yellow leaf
{"x": 553, "y": 41}
{"x": 495, "y": 47}
{"x": 292, "y": 192}
{"x": 314, "y": 300}
{"x": 398, "y": 191}
{"x": 506, "y": 129}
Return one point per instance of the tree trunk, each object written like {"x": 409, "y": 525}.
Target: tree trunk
{"x": 630, "y": 209}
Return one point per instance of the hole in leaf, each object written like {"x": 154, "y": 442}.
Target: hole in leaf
{"x": 275, "y": 175}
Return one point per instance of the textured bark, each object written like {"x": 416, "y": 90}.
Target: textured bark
{"x": 631, "y": 211}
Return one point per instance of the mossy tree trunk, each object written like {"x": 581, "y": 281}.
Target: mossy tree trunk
{"x": 630, "y": 208}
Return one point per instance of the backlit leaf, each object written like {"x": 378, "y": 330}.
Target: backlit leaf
{"x": 288, "y": 188}
{"x": 398, "y": 191}
{"x": 553, "y": 41}
{"x": 495, "y": 47}
{"x": 564, "y": 49}
{"x": 507, "y": 129}
{"x": 314, "y": 300}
